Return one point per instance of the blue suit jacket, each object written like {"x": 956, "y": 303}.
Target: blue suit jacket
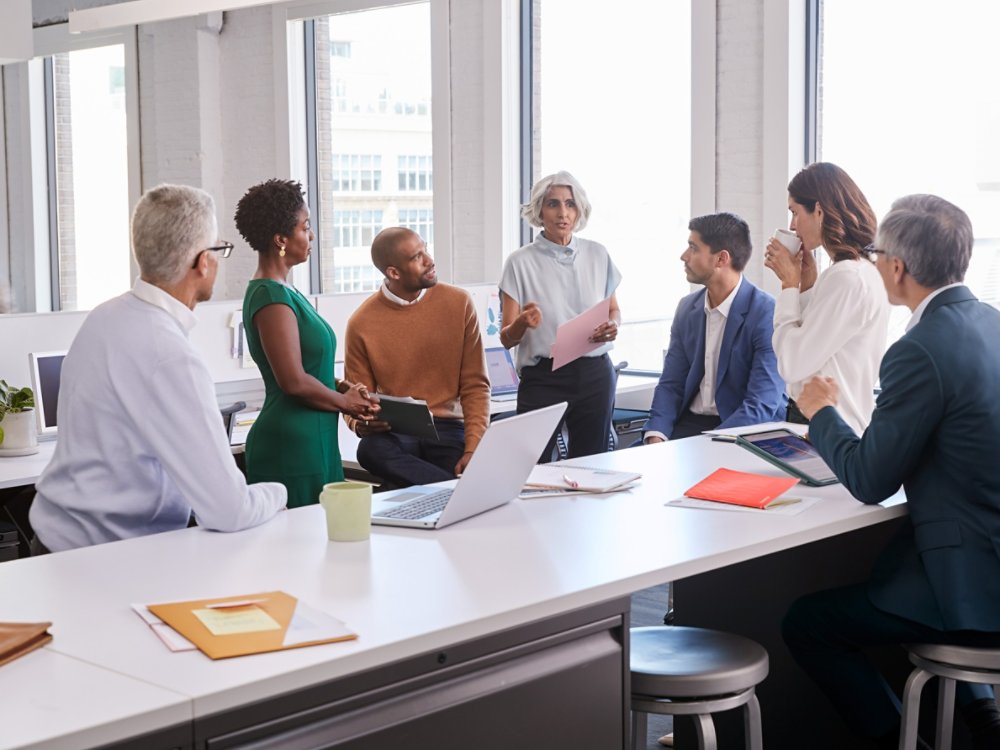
{"x": 936, "y": 431}
{"x": 748, "y": 389}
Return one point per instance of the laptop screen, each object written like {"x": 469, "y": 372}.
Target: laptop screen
{"x": 503, "y": 375}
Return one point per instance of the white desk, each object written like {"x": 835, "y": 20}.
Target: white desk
{"x": 518, "y": 564}
{"x": 55, "y": 701}
{"x": 17, "y": 471}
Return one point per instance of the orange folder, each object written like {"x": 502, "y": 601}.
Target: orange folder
{"x": 278, "y": 606}
{"x": 741, "y": 488}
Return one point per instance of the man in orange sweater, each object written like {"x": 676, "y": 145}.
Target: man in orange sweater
{"x": 416, "y": 337}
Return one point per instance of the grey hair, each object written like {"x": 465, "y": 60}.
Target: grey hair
{"x": 171, "y": 224}
{"x": 532, "y": 210}
{"x": 931, "y": 236}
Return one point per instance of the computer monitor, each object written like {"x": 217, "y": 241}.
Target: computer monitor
{"x": 502, "y": 373}
{"x": 46, "y": 368}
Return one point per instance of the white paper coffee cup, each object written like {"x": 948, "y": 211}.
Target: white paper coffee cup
{"x": 788, "y": 239}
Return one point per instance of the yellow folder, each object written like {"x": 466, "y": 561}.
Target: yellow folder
{"x": 250, "y": 624}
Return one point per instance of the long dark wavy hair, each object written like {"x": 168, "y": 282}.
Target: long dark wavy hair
{"x": 848, "y": 220}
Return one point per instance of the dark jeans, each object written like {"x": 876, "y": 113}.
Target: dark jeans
{"x": 405, "y": 460}
{"x": 689, "y": 424}
{"x": 588, "y": 385}
{"x": 827, "y": 632}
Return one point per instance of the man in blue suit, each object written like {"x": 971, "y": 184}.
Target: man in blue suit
{"x": 936, "y": 432}
{"x": 720, "y": 369}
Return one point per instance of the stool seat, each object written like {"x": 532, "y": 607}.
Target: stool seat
{"x": 949, "y": 664}
{"x": 695, "y": 672}
{"x": 979, "y": 659}
{"x": 681, "y": 662}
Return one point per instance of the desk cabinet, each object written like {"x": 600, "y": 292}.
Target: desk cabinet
{"x": 559, "y": 683}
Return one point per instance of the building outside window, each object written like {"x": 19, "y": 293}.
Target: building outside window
{"x": 356, "y": 172}
{"x": 372, "y": 83}
{"x": 415, "y": 173}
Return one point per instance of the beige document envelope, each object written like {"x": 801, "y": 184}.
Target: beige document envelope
{"x": 244, "y": 636}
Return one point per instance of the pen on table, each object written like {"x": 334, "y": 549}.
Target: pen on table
{"x": 242, "y": 603}
{"x": 724, "y": 438}
{"x": 783, "y": 501}
{"x": 570, "y": 482}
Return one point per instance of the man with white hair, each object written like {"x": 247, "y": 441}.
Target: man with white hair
{"x": 141, "y": 446}
{"x": 935, "y": 431}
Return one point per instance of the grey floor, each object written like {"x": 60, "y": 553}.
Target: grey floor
{"x": 648, "y": 607}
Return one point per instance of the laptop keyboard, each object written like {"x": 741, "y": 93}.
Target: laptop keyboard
{"x": 420, "y": 507}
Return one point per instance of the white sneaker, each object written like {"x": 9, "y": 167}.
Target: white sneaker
{"x": 667, "y": 740}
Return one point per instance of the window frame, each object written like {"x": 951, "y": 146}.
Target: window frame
{"x": 40, "y": 211}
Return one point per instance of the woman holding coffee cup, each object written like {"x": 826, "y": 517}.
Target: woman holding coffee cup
{"x": 833, "y": 323}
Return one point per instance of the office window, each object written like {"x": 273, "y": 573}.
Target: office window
{"x": 620, "y": 122}
{"x": 421, "y": 221}
{"x": 908, "y": 103}
{"x": 356, "y": 229}
{"x": 356, "y": 172}
{"x": 90, "y": 199}
{"x": 415, "y": 173}
{"x": 361, "y": 278}
{"x": 371, "y": 83}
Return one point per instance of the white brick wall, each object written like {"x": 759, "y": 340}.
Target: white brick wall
{"x": 739, "y": 118}
{"x": 467, "y": 141}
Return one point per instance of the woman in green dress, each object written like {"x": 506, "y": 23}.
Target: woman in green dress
{"x": 294, "y": 440}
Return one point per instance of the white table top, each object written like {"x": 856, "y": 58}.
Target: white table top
{"x": 408, "y": 591}
{"x": 72, "y": 704}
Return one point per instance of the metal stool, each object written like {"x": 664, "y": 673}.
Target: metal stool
{"x": 695, "y": 672}
{"x": 949, "y": 663}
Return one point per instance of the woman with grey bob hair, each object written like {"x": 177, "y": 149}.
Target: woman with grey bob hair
{"x": 171, "y": 226}
{"x": 532, "y": 210}
{"x": 547, "y": 283}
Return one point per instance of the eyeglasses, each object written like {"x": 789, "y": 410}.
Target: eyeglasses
{"x": 873, "y": 252}
{"x": 226, "y": 248}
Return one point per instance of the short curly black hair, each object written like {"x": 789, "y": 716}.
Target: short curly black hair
{"x": 267, "y": 209}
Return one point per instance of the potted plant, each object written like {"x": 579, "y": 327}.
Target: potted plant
{"x": 17, "y": 420}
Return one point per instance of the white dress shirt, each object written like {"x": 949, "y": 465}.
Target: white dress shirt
{"x": 715, "y": 325}
{"x": 836, "y": 329}
{"x": 141, "y": 443}
{"x": 918, "y": 311}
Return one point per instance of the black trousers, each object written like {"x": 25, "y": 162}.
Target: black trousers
{"x": 689, "y": 424}
{"x": 827, "y": 633}
{"x": 405, "y": 460}
{"x": 588, "y": 385}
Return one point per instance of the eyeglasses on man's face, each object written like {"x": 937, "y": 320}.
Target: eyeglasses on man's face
{"x": 226, "y": 248}
{"x": 873, "y": 252}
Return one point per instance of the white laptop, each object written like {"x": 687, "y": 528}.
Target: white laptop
{"x": 503, "y": 374}
{"x": 495, "y": 475}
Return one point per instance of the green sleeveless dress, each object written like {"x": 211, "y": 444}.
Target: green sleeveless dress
{"x": 290, "y": 442}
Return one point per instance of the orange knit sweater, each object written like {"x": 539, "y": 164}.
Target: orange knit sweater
{"x": 430, "y": 350}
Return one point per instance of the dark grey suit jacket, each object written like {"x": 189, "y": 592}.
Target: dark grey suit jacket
{"x": 936, "y": 431}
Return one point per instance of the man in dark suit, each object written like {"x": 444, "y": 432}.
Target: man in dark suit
{"x": 720, "y": 369}
{"x": 936, "y": 432}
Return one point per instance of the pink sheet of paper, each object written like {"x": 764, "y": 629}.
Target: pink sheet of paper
{"x": 573, "y": 336}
